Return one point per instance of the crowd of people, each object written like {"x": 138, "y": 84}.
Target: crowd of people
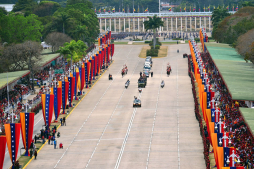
{"x": 241, "y": 136}
{"x": 15, "y": 95}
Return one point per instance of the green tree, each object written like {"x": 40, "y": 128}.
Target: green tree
{"x": 233, "y": 26}
{"x": 218, "y": 15}
{"x": 17, "y": 28}
{"x": 74, "y": 50}
{"x": 3, "y": 11}
{"x": 25, "y": 6}
{"x": 247, "y": 3}
{"x": 152, "y": 24}
{"x": 46, "y": 8}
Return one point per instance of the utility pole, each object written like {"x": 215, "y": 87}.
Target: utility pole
{"x": 159, "y": 6}
{"x": 133, "y": 6}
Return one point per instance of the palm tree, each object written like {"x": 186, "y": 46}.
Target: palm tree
{"x": 64, "y": 19}
{"x": 153, "y": 23}
{"x": 247, "y": 3}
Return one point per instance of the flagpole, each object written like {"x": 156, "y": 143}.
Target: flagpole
{"x": 159, "y": 5}
{"x": 133, "y": 7}
{"x": 9, "y": 98}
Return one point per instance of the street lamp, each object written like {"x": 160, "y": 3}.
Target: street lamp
{"x": 233, "y": 156}
{"x": 219, "y": 123}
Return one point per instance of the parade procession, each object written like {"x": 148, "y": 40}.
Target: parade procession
{"x": 56, "y": 99}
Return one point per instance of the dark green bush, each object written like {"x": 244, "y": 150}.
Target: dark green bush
{"x": 177, "y": 39}
{"x": 137, "y": 39}
{"x": 156, "y": 47}
{"x": 152, "y": 52}
{"x": 147, "y": 41}
{"x": 157, "y": 43}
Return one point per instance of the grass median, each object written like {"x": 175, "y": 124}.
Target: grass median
{"x": 163, "y": 51}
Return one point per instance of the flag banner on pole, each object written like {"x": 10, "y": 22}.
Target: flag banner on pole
{"x": 89, "y": 70}
{"x": 92, "y": 68}
{"x": 65, "y": 89}
{"x": 219, "y": 128}
{"x": 208, "y": 99}
{"x": 12, "y": 131}
{"x": 2, "y": 150}
{"x": 76, "y": 76}
{"x": 86, "y": 73}
{"x": 215, "y": 113}
{"x": 96, "y": 64}
{"x": 108, "y": 52}
{"x": 27, "y": 129}
{"x": 82, "y": 78}
{"x": 47, "y": 101}
{"x": 103, "y": 56}
{"x": 57, "y": 101}
{"x": 100, "y": 61}
{"x": 71, "y": 81}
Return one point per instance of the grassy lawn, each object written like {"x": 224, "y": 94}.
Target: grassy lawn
{"x": 162, "y": 52}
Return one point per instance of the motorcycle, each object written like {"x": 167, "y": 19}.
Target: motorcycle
{"x": 162, "y": 84}
{"x": 127, "y": 84}
{"x": 140, "y": 90}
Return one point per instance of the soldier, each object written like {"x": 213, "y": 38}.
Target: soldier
{"x": 35, "y": 154}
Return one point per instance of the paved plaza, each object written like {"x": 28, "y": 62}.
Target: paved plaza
{"x": 105, "y": 131}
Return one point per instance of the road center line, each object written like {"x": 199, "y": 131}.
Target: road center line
{"x": 154, "y": 119}
{"x": 126, "y": 136}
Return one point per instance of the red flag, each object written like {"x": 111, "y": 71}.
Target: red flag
{"x": 2, "y": 150}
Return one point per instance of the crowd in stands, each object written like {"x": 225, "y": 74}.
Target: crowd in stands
{"x": 18, "y": 91}
{"x": 241, "y": 136}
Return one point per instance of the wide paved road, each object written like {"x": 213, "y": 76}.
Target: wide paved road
{"x": 105, "y": 131}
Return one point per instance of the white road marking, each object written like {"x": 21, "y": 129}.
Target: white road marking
{"x": 90, "y": 114}
{"x": 178, "y": 136}
{"x": 126, "y": 136}
{"x": 101, "y": 139}
{"x": 154, "y": 119}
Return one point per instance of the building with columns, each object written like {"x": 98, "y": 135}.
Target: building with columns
{"x": 173, "y": 21}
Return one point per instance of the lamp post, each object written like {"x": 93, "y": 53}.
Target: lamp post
{"x": 47, "y": 90}
{"x": 213, "y": 101}
{"x": 69, "y": 72}
{"x": 220, "y": 123}
{"x": 55, "y": 82}
{"x": 9, "y": 98}
{"x": 225, "y": 137}
{"x": 233, "y": 156}
{"x": 50, "y": 71}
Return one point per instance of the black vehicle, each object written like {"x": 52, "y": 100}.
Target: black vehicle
{"x": 137, "y": 103}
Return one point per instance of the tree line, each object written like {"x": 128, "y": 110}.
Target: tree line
{"x": 67, "y": 29}
{"x": 236, "y": 30}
